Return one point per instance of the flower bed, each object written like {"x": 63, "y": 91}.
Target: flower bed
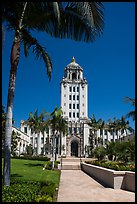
{"x": 118, "y": 166}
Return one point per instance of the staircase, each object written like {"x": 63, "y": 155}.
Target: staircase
{"x": 71, "y": 163}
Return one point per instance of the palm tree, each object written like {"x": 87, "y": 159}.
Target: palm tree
{"x": 59, "y": 126}
{"x": 81, "y": 21}
{"x": 37, "y": 125}
{"x": 113, "y": 126}
{"x": 102, "y": 126}
{"x": 131, "y": 113}
{"x": 124, "y": 125}
{"x": 95, "y": 125}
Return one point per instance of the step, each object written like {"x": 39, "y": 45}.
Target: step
{"x": 70, "y": 167}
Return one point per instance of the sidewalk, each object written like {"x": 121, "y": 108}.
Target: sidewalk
{"x": 76, "y": 186}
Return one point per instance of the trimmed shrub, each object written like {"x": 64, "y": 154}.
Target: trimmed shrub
{"x": 38, "y": 158}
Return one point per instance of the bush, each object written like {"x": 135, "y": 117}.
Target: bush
{"x": 28, "y": 191}
{"x": 48, "y": 165}
{"x": 20, "y": 191}
{"x": 99, "y": 152}
{"x": 38, "y": 158}
{"x": 119, "y": 166}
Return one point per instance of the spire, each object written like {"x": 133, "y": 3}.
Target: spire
{"x": 73, "y": 59}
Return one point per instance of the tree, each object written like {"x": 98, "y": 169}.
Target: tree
{"x": 102, "y": 126}
{"x": 95, "y": 125}
{"x": 113, "y": 126}
{"x": 81, "y": 21}
{"x": 29, "y": 150}
{"x": 131, "y": 113}
{"x": 58, "y": 125}
{"x": 124, "y": 125}
{"x": 37, "y": 125}
{"x": 14, "y": 137}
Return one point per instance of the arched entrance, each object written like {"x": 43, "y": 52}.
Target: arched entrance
{"x": 74, "y": 148}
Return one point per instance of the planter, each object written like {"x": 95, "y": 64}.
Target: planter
{"x": 110, "y": 178}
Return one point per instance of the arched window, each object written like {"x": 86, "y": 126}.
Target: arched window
{"x": 73, "y": 76}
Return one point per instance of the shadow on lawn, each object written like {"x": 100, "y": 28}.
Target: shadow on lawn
{"x": 33, "y": 165}
{"x": 15, "y": 175}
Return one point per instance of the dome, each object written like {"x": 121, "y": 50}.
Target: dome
{"x": 73, "y": 65}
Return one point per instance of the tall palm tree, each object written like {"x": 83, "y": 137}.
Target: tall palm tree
{"x": 131, "y": 113}
{"x": 37, "y": 125}
{"x": 95, "y": 125}
{"x": 81, "y": 21}
{"x": 124, "y": 125}
{"x": 113, "y": 126}
{"x": 59, "y": 126}
{"x": 102, "y": 126}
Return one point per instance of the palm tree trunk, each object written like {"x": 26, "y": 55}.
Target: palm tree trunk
{"x": 38, "y": 144}
{"x": 14, "y": 59}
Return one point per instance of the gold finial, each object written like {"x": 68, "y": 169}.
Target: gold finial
{"x": 73, "y": 59}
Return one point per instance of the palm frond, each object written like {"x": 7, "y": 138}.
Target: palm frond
{"x": 37, "y": 49}
{"x": 129, "y": 100}
{"x": 131, "y": 114}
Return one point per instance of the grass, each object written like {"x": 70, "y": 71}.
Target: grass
{"x": 32, "y": 170}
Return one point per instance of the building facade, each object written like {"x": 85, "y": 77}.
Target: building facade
{"x": 74, "y": 103}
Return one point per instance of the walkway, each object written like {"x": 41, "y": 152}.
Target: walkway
{"x": 76, "y": 186}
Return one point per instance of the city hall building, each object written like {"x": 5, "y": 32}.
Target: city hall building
{"x": 74, "y": 103}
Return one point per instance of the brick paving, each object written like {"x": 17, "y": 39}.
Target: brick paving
{"x": 76, "y": 186}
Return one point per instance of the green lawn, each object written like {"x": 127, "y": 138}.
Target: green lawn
{"x": 32, "y": 170}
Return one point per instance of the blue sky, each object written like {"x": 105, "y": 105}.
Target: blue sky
{"x": 108, "y": 63}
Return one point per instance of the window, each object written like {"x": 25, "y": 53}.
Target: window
{"x": 73, "y": 106}
{"x": 83, "y": 113}
{"x": 70, "y": 89}
{"x": 73, "y": 76}
{"x": 101, "y": 132}
{"x": 77, "y": 89}
{"x": 83, "y": 104}
{"x": 77, "y": 106}
{"x": 77, "y": 97}
{"x": 64, "y": 95}
{"x": 83, "y": 96}
{"x": 42, "y": 140}
{"x": 105, "y": 132}
{"x": 25, "y": 129}
{"x": 73, "y": 114}
{"x": 75, "y": 130}
{"x": 73, "y": 97}
{"x": 70, "y": 114}
{"x": 35, "y": 140}
{"x": 70, "y": 106}
{"x": 122, "y": 131}
{"x": 73, "y": 89}
{"x": 31, "y": 140}
{"x": 69, "y": 97}
{"x": 77, "y": 115}
{"x": 64, "y": 104}
{"x": 64, "y": 113}
{"x": 70, "y": 130}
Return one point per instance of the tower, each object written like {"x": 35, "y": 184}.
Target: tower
{"x": 74, "y": 103}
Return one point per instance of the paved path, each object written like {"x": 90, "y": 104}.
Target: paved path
{"x": 76, "y": 186}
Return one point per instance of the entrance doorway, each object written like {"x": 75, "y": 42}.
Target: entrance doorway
{"x": 74, "y": 148}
